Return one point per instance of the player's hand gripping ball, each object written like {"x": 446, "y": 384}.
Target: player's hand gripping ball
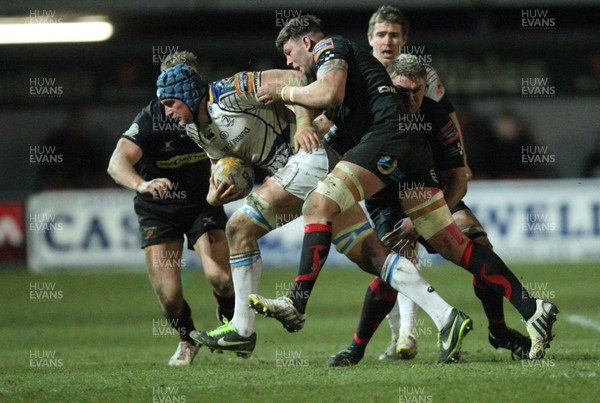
{"x": 234, "y": 171}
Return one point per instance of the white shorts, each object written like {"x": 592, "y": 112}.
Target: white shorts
{"x": 303, "y": 171}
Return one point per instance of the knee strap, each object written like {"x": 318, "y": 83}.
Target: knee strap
{"x": 260, "y": 211}
{"x": 351, "y": 236}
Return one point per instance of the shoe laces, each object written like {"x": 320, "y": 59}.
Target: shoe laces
{"x": 224, "y": 328}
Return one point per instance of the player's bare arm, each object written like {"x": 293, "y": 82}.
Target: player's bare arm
{"x": 327, "y": 91}
{"x": 305, "y": 136}
{"x": 121, "y": 169}
{"x": 454, "y": 119}
{"x": 456, "y": 189}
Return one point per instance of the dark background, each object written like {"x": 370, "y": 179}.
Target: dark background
{"x": 481, "y": 50}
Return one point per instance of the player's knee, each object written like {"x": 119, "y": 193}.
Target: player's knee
{"x": 240, "y": 229}
{"x": 335, "y": 193}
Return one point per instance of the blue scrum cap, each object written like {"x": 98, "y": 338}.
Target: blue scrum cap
{"x": 183, "y": 83}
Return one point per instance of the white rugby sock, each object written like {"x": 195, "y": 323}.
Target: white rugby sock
{"x": 394, "y": 320}
{"x": 402, "y": 275}
{"x": 408, "y": 313}
{"x": 246, "y": 268}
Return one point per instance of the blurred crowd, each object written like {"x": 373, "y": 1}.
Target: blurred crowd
{"x": 493, "y": 145}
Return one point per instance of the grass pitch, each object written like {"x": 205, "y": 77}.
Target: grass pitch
{"x": 100, "y": 337}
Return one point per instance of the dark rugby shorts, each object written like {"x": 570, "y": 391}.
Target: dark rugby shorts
{"x": 161, "y": 223}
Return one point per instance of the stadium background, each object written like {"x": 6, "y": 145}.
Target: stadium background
{"x": 519, "y": 74}
{"x": 512, "y": 82}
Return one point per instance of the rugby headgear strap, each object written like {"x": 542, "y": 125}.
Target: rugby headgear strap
{"x": 183, "y": 83}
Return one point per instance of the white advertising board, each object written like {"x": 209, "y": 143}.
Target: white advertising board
{"x": 527, "y": 221}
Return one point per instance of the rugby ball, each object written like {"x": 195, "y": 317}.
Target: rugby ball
{"x": 235, "y": 171}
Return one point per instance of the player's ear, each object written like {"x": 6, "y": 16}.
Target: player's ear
{"x": 308, "y": 43}
{"x": 370, "y": 38}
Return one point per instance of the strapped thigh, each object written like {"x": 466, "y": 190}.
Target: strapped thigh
{"x": 431, "y": 216}
{"x": 341, "y": 186}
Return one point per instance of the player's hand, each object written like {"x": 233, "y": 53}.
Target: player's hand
{"x": 403, "y": 236}
{"x": 269, "y": 93}
{"x": 158, "y": 187}
{"x": 222, "y": 194}
{"x": 307, "y": 138}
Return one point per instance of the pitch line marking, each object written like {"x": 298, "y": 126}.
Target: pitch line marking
{"x": 585, "y": 322}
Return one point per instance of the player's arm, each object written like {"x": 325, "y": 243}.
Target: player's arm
{"x": 327, "y": 91}
{"x": 454, "y": 119}
{"x": 122, "y": 161}
{"x": 456, "y": 185}
{"x": 450, "y": 163}
{"x": 437, "y": 92}
{"x": 322, "y": 125}
{"x": 121, "y": 168}
{"x": 306, "y": 136}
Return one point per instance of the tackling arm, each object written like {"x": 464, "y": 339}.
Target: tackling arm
{"x": 327, "y": 91}
{"x": 121, "y": 169}
{"x": 305, "y": 135}
{"x": 121, "y": 165}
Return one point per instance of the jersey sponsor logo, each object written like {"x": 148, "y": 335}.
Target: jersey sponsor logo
{"x": 179, "y": 160}
{"x": 133, "y": 130}
{"x": 322, "y": 46}
{"x": 224, "y": 135}
{"x": 239, "y": 137}
{"x": 243, "y": 82}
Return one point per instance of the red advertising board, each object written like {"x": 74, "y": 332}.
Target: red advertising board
{"x": 12, "y": 231}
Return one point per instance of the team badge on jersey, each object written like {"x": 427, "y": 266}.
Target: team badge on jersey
{"x": 322, "y": 46}
{"x": 149, "y": 232}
